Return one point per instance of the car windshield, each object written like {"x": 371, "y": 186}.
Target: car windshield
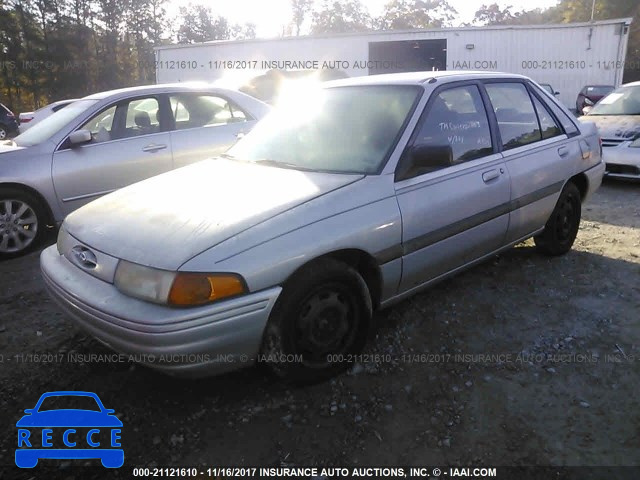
{"x": 48, "y": 127}
{"x": 624, "y": 101}
{"x": 342, "y": 129}
{"x": 598, "y": 90}
{"x": 69, "y": 402}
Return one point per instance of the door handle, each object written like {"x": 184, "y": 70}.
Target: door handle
{"x": 563, "y": 151}
{"x": 154, "y": 147}
{"x": 490, "y": 175}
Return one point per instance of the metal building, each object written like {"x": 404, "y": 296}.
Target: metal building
{"x": 567, "y": 56}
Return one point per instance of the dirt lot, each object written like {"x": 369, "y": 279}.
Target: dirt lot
{"x": 524, "y": 360}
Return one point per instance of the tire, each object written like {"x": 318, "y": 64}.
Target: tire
{"x": 562, "y": 227}
{"x": 4, "y": 133}
{"x": 321, "y": 318}
{"x": 23, "y": 222}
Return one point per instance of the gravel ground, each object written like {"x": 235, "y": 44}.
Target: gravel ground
{"x": 523, "y": 360}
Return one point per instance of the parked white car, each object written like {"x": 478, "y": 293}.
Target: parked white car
{"x": 29, "y": 119}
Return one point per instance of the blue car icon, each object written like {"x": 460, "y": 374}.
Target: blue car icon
{"x": 89, "y": 432}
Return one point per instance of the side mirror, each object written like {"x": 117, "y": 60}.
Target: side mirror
{"x": 109, "y": 411}
{"x": 28, "y": 411}
{"x": 79, "y": 137}
{"x": 422, "y": 159}
{"x": 431, "y": 157}
{"x": 556, "y": 93}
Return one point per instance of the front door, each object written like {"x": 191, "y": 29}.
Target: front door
{"x": 129, "y": 143}
{"x": 454, "y": 214}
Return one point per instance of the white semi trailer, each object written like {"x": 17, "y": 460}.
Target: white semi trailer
{"x": 567, "y": 56}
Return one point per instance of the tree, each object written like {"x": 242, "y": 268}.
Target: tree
{"x": 300, "y": 9}
{"x": 199, "y": 24}
{"x": 493, "y": 15}
{"x": 411, "y": 14}
{"x": 341, "y": 17}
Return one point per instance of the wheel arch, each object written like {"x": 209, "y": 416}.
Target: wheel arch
{"x": 36, "y": 194}
{"x": 363, "y": 262}
{"x": 582, "y": 183}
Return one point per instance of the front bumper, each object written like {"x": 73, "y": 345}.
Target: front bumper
{"x": 622, "y": 161}
{"x": 197, "y": 341}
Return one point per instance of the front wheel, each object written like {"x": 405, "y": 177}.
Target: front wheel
{"x": 22, "y": 222}
{"x": 322, "y": 318}
{"x": 562, "y": 227}
{"x": 3, "y": 132}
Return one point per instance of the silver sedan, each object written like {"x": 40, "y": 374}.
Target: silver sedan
{"x": 340, "y": 202}
{"x": 106, "y": 141}
{"x": 617, "y": 117}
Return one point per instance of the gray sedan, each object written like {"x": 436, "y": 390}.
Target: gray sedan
{"x": 107, "y": 141}
{"x": 340, "y": 202}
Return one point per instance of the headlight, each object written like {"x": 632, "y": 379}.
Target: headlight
{"x": 635, "y": 143}
{"x": 176, "y": 288}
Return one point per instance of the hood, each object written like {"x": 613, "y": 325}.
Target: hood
{"x": 166, "y": 220}
{"x": 622, "y": 127}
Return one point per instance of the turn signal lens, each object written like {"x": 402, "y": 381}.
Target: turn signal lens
{"x": 199, "y": 288}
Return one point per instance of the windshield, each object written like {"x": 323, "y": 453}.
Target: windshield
{"x": 341, "y": 129}
{"x": 624, "y": 101}
{"x": 48, "y": 127}
{"x": 598, "y": 90}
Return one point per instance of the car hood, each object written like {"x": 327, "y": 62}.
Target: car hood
{"x": 74, "y": 418}
{"x": 166, "y": 220}
{"x": 622, "y": 127}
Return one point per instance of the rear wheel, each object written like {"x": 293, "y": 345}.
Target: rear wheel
{"x": 321, "y": 318}
{"x": 22, "y": 222}
{"x": 562, "y": 227}
{"x": 3, "y": 132}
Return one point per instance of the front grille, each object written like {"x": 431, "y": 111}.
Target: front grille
{"x": 622, "y": 169}
{"x": 611, "y": 142}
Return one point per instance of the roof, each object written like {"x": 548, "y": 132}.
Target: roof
{"x": 625, "y": 21}
{"x": 159, "y": 88}
{"x": 418, "y": 78}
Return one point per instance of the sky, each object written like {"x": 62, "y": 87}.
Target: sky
{"x": 271, "y": 16}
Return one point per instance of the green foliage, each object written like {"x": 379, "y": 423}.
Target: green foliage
{"x": 411, "y": 14}
{"x": 341, "y": 17}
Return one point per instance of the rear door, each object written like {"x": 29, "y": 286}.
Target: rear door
{"x": 538, "y": 155}
{"x": 458, "y": 213}
{"x": 130, "y": 142}
{"x": 205, "y": 125}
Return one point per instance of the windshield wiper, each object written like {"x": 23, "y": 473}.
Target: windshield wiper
{"x": 275, "y": 163}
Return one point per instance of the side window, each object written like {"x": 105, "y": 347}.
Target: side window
{"x": 101, "y": 125}
{"x": 194, "y": 111}
{"x": 566, "y": 122}
{"x": 548, "y": 126}
{"x": 142, "y": 118}
{"x": 516, "y": 116}
{"x": 457, "y": 118}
